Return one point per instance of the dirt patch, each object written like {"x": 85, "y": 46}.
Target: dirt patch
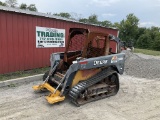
{"x": 137, "y": 99}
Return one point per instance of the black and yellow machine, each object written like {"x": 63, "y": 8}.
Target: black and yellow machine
{"x": 87, "y": 70}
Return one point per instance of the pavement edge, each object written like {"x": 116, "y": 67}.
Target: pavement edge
{"x": 21, "y": 80}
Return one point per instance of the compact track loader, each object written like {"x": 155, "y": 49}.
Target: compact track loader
{"x": 87, "y": 70}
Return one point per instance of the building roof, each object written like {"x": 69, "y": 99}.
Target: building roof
{"x": 17, "y": 10}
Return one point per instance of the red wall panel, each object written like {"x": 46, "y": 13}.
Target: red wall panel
{"x": 18, "y": 40}
{"x": 15, "y": 43}
{"x": 3, "y": 41}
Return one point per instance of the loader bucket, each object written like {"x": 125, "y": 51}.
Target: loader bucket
{"x": 52, "y": 97}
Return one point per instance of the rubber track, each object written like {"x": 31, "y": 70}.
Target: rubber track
{"x": 77, "y": 89}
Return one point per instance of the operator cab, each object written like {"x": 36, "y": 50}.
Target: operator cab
{"x": 83, "y": 43}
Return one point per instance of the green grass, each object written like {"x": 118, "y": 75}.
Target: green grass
{"x": 19, "y": 74}
{"x": 147, "y": 52}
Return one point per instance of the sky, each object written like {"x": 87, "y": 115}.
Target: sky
{"x": 112, "y": 10}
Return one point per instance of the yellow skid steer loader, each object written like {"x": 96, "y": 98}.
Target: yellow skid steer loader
{"x": 87, "y": 70}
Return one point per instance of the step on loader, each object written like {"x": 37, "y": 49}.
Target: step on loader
{"x": 88, "y": 69}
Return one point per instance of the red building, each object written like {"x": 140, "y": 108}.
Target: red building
{"x": 18, "y": 38}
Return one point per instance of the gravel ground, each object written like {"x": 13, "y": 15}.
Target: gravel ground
{"x": 142, "y": 66}
{"x": 137, "y": 99}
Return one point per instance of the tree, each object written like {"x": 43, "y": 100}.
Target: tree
{"x": 116, "y": 25}
{"x": 156, "y": 43}
{"x": 2, "y": 4}
{"x": 32, "y": 7}
{"x": 75, "y": 16}
{"x": 63, "y": 14}
{"x": 84, "y": 20}
{"x": 105, "y": 23}
{"x": 148, "y": 38}
{"x": 11, "y": 3}
{"x": 141, "y": 31}
{"x": 144, "y": 41}
{"x": 93, "y": 19}
{"x": 154, "y": 31}
{"x": 23, "y": 6}
{"x": 128, "y": 28}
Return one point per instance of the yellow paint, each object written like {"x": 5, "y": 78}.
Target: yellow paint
{"x": 80, "y": 75}
{"x": 55, "y": 97}
{"x": 52, "y": 97}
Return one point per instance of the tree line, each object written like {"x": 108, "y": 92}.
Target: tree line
{"x": 129, "y": 30}
{"x": 142, "y": 37}
{"x": 14, "y": 4}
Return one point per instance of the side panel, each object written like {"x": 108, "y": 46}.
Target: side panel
{"x": 116, "y": 60}
{"x": 84, "y": 75}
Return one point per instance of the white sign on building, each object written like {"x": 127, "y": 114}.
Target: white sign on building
{"x": 49, "y": 37}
